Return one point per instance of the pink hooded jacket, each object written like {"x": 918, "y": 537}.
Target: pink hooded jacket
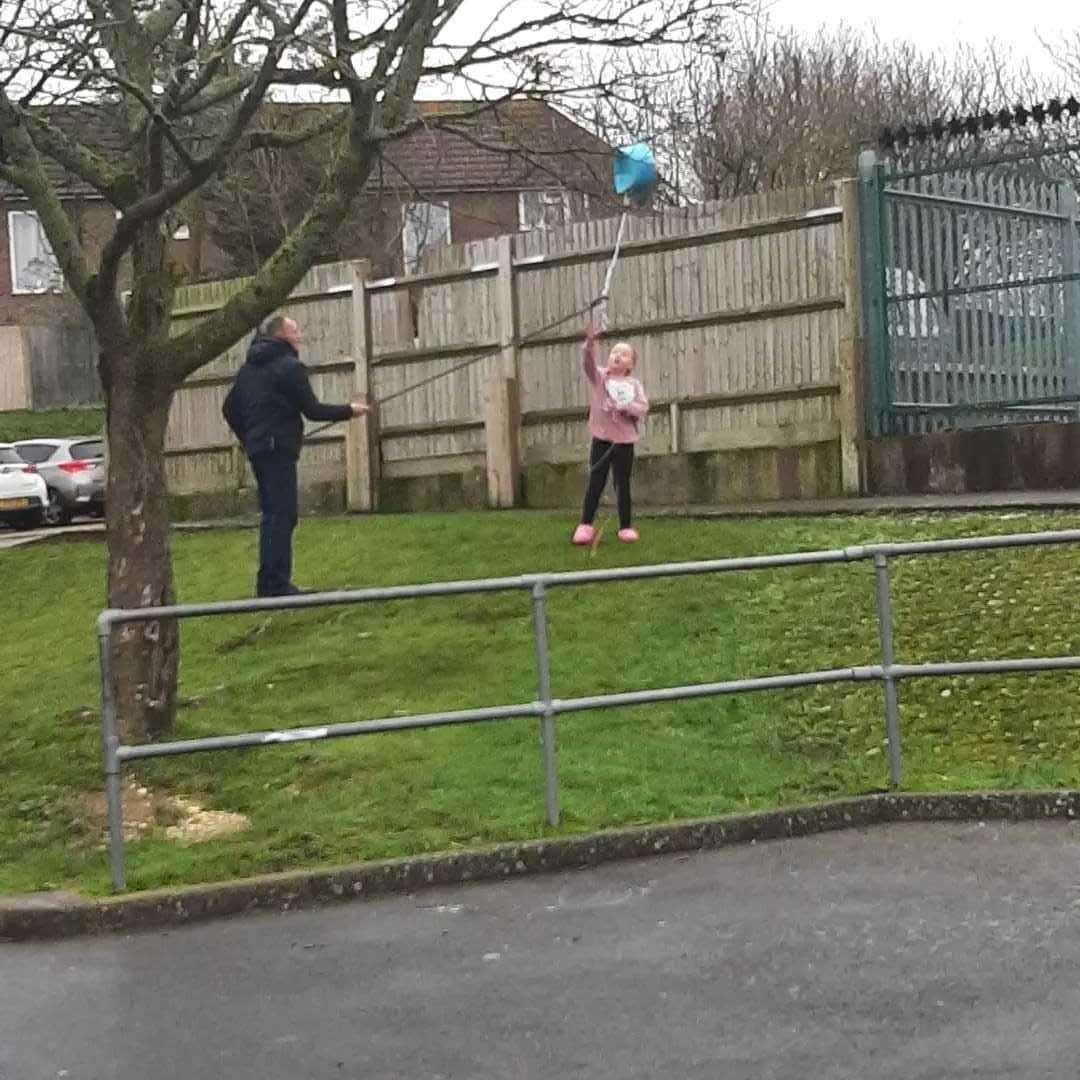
{"x": 607, "y": 420}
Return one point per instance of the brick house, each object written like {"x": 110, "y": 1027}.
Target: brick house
{"x": 48, "y": 356}
{"x": 31, "y": 290}
{"x": 464, "y": 176}
{"x": 520, "y": 165}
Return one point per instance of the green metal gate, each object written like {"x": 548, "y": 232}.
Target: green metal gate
{"x": 971, "y": 291}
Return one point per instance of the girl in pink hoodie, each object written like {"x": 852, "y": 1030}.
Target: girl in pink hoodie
{"x": 617, "y": 405}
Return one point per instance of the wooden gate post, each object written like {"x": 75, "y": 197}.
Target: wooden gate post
{"x": 852, "y": 344}
{"x": 502, "y": 430}
{"x": 502, "y": 404}
{"x": 1070, "y": 257}
{"x": 875, "y": 331}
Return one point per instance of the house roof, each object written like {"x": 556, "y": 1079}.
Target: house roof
{"x": 94, "y": 125}
{"x": 517, "y": 144}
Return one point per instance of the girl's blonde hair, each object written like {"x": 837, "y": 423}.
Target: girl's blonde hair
{"x": 625, "y": 346}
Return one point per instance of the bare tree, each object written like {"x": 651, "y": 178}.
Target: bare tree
{"x": 521, "y": 143}
{"x": 660, "y": 103}
{"x": 781, "y": 110}
{"x": 751, "y": 106}
{"x": 250, "y": 209}
{"x": 180, "y": 85}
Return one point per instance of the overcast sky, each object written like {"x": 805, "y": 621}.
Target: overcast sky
{"x": 930, "y": 24}
{"x": 942, "y": 23}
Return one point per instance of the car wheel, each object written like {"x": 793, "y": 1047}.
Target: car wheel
{"x": 56, "y": 513}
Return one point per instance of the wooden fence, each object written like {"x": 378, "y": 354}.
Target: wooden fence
{"x": 745, "y": 315}
{"x": 48, "y": 366}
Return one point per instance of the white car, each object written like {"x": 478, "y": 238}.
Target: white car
{"x": 24, "y": 496}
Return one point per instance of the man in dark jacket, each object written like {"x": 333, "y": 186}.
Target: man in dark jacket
{"x": 266, "y": 408}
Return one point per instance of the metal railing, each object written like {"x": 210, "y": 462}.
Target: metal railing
{"x": 546, "y": 707}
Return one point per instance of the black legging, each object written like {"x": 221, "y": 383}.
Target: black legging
{"x": 618, "y": 458}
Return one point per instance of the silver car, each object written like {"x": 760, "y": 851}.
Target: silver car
{"x": 74, "y": 473}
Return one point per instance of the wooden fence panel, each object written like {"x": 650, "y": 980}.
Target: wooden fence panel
{"x": 737, "y": 311}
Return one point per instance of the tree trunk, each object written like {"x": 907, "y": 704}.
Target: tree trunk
{"x": 145, "y": 656}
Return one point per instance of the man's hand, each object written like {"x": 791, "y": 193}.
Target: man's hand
{"x": 359, "y": 407}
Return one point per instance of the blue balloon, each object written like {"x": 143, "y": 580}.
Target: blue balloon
{"x": 635, "y": 173}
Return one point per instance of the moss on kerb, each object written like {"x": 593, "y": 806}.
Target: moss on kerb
{"x": 57, "y": 915}
{"x": 721, "y": 476}
{"x": 445, "y": 491}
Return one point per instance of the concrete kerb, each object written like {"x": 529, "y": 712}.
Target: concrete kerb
{"x": 61, "y": 915}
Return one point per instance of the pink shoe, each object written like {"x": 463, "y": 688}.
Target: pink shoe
{"x": 629, "y": 536}
{"x": 584, "y": 535}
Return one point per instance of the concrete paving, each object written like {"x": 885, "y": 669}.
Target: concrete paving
{"x": 13, "y": 538}
{"x": 95, "y": 530}
{"x": 914, "y": 951}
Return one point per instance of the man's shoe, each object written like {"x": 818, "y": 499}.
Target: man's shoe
{"x": 289, "y": 590}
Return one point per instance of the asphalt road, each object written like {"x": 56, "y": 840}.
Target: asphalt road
{"x": 916, "y": 952}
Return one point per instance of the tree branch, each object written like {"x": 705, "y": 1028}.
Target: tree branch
{"x": 282, "y": 140}
{"x": 282, "y": 272}
{"x": 154, "y": 115}
{"x": 215, "y": 93}
{"x": 161, "y": 22}
{"x": 200, "y": 170}
{"x": 76, "y": 157}
{"x": 186, "y": 52}
{"x": 221, "y": 51}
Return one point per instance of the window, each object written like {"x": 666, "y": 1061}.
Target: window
{"x": 424, "y": 226}
{"x": 9, "y": 457}
{"x": 36, "y": 453}
{"x": 34, "y": 268}
{"x": 544, "y": 209}
{"x": 87, "y": 451}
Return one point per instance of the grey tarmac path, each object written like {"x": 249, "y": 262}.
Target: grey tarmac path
{"x": 913, "y": 951}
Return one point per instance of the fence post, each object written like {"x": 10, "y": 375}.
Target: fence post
{"x": 888, "y": 658}
{"x": 362, "y": 447}
{"x": 110, "y": 742}
{"x": 851, "y": 359}
{"x": 875, "y": 317}
{"x": 1070, "y": 251}
{"x": 676, "y": 422}
{"x": 502, "y": 424}
{"x": 543, "y": 690}
{"x": 502, "y": 406}
{"x": 239, "y": 468}
{"x": 507, "y": 307}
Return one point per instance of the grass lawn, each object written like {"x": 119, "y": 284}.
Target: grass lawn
{"x": 412, "y": 792}
{"x": 50, "y": 424}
